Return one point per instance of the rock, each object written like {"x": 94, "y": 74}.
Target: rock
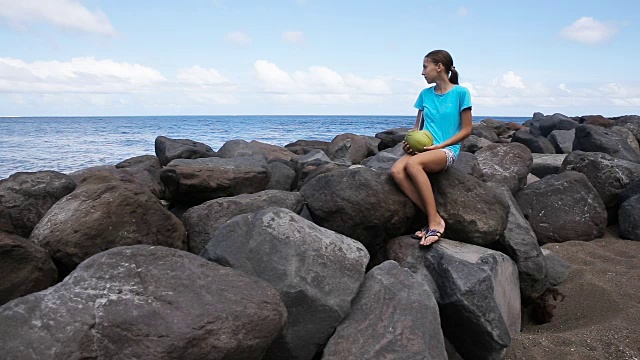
{"x": 5, "y": 221}
{"x": 557, "y": 268}
{"x": 596, "y": 139}
{"x": 608, "y": 175}
{"x": 201, "y": 180}
{"x": 479, "y": 297}
{"x": 342, "y": 201}
{"x": 535, "y": 143}
{"x": 562, "y": 140}
{"x": 384, "y": 160}
{"x": 311, "y": 165}
{"x": 506, "y": 164}
{"x": 546, "y": 164}
{"x": 532, "y": 178}
{"x": 409, "y": 303}
{"x": 520, "y": 244}
{"x": 303, "y": 147}
{"x": 631, "y": 123}
{"x": 348, "y": 149}
{"x": 408, "y": 255}
{"x": 499, "y": 127}
{"x": 468, "y": 164}
{"x": 25, "y": 268}
{"x": 102, "y": 174}
{"x": 27, "y": 196}
{"x": 317, "y": 272}
{"x": 596, "y": 120}
{"x": 240, "y": 148}
{"x": 145, "y": 302}
{"x": 282, "y": 176}
{"x": 469, "y": 207}
{"x": 95, "y": 218}
{"x": 168, "y": 149}
{"x": 556, "y": 122}
{"x": 629, "y": 219}
{"x": 485, "y": 132}
{"x": 372, "y": 145}
{"x": 515, "y": 126}
{"x": 202, "y": 221}
{"x": 563, "y": 207}
{"x": 630, "y": 190}
{"x": 145, "y": 171}
{"x": 391, "y": 138}
{"x": 473, "y": 143}
{"x": 272, "y": 152}
{"x": 628, "y": 135}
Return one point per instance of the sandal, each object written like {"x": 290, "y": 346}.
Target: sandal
{"x": 424, "y": 229}
{"x": 432, "y": 232}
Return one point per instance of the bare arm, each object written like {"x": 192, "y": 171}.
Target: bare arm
{"x": 416, "y": 126}
{"x": 467, "y": 127}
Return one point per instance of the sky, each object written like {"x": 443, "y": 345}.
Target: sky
{"x": 314, "y": 57}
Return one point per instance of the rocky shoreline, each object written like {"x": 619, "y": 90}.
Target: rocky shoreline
{"x": 258, "y": 251}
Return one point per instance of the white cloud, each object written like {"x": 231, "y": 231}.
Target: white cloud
{"x": 318, "y": 80}
{"x": 463, "y": 11}
{"x": 564, "y": 88}
{"x": 66, "y": 14}
{"x": 201, "y": 76}
{"x": 293, "y": 37}
{"x": 589, "y": 31}
{"x": 238, "y": 37}
{"x": 511, "y": 80}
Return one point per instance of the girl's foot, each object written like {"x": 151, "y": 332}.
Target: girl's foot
{"x": 433, "y": 234}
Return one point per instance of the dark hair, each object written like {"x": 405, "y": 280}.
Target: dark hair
{"x": 443, "y": 57}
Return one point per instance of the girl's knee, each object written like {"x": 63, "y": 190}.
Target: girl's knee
{"x": 398, "y": 172}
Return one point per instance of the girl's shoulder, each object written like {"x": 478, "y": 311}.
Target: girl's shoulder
{"x": 461, "y": 89}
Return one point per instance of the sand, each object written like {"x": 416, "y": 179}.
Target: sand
{"x": 600, "y": 316}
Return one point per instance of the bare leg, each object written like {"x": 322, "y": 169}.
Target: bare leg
{"x": 404, "y": 182}
{"x": 417, "y": 167}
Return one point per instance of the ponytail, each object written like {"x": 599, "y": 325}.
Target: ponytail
{"x": 453, "y": 78}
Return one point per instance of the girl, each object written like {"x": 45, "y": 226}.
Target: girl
{"x": 446, "y": 112}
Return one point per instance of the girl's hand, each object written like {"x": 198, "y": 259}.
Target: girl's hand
{"x": 407, "y": 149}
{"x": 433, "y": 147}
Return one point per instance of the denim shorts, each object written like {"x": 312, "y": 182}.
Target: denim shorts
{"x": 451, "y": 157}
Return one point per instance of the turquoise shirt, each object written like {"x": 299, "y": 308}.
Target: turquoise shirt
{"x": 441, "y": 113}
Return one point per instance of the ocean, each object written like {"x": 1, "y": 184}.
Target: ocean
{"x": 68, "y": 144}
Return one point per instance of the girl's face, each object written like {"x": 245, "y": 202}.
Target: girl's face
{"x": 430, "y": 70}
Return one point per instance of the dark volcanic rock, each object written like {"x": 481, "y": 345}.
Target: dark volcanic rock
{"x": 505, "y": 164}
{"x": 303, "y": 147}
{"x": 468, "y": 164}
{"x": 546, "y": 164}
{"x": 168, "y": 149}
{"x": 629, "y": 218}
{"x": 485, "y": 131}
{"x": 556, "y": 122}
{"x": 145, "y": 302}
{"x": 596, "y": 139}
{"x": 25, "y": 267}
{"x": 535, "y": 143}
{"x": 390, "y": 138}
{"x": 562, "y": 140}
{"x": 473, "y": 143}
{"x": 27, "y": 196}
{"x": 282, "y": 176}
{"x": 348, "y": 149}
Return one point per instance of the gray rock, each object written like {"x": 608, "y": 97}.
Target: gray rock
{"x": 145, "y": 302}
{"x": 372, "y": 145}
{"x": 557, "y": 268}
{"x": 628, "y": 135}
{"x": 303, "y": 147}
{"x": 200, "y": 180}
{"x": 95, "y": 218}
{"x": 485, "y": 131}
{"x": 348, "y": 149}
{"x": 384, "y": 160}
{"x": 282, "y": 176}
{"x": 25, "y": 267}
{"x": 272, "y": 152}
{"x": 479, "y": 297}
{"x": 468, "y": 164}
{"x": 238, "y": 148}
{"x": 145, "y": 170}
{"x": 520, "y": 244}
{"x": 390, "y": 138}
{"x": 592, "y": 138}
{"x": 532, "y": 178}
{"x": 505, "y": 164}
{"x": 202, "y": 221}
{"x": 27, "y": 196}
{"x": 473, "y": 143}
{"x": 563, "y": 207}
{"x": 343, "y": 200}
{"x": 535, "y": 143}
{"x": 631, "y": 123}
{"x": 630, "y": 190}
{"x": 546, "y": 164}
{"x": 562, "y": 140}
{"x": 556, "y": 122}
{"x": 311, "y": 165}
{"x": 402, "y": 334}
{"x": 168, "y": 149}
{"x": 317, "y": 272}
{"x": 608, "y": 175}
{"x": 499, "y": 127}
{"x": 629, "y": 219}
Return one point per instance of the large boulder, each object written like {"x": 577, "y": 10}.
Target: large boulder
{"x": 93, "y": 219}
{"x": 239, "y": 148}
{"x": 596, "y": 120}
{"x": 25, "y": 267}
{"x": 629, "y": 219}
{"x": 200, "y": 180}
{"x": 546, "y": 164}
{"x": 477, "y": 293}
{"x": 631, "y": 123}
{"x": 407, "y": 304}
{"x": 473, "y": 143}
{"x": 627, "y": 135}
{"x": 202, "y": 221}
{"x": 592, "y": 138}
{"x": 311, "y": 165}
{"x": 145, "y": 302}
{"x": 556, "y": 122}
{"x": 562, "y": 140}
{"x": 499, "y": 127}
{"x": 27, "y": 196}
{"x": 535, "y": 143}
{"x": 384, "y": 160}
{"x": 608, "y": 175}
{"x": 317, "y": 272}
{"x": 390, "y": 138}
{"x": 303, "y": 147}
{"x": 563, "y": 207}
{"x": 145, "y": 170}
{"x": 168, "y": 149}
{"x": 520, "y": 244}
{"x": 470, "y": 208}
{"x": 468, "y": 163}
{"x": 343, "y": 200}
{"x": 485, "y": 132}
{"x": 505, "y": 164}
{"x": 282, "y": 176}
{"x": 348, "y": 149}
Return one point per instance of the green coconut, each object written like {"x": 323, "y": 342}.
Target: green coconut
{"x": 418, "y": 139}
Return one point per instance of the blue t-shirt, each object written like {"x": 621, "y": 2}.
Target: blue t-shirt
{"x": 441, "y": 112}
